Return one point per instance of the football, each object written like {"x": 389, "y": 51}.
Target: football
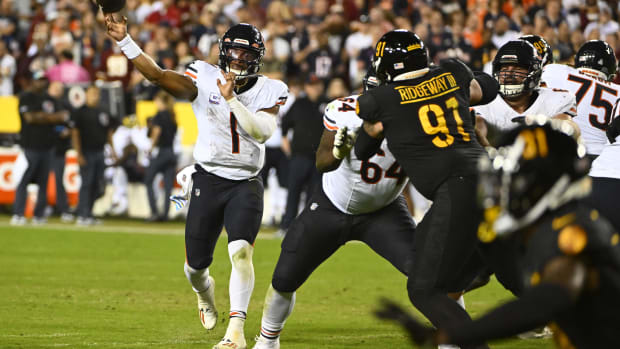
{"x": 110, "y": 6}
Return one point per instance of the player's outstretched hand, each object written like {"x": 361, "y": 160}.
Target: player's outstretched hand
{"x": 226, "y": 89}
{"x": 420, "y": 334}
{"x": 343, "y": 142}
{"x": 117, "y": 26}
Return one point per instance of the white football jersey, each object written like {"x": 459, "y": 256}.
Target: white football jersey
{"x": 607, "y": 164}
{"x": 549, "y": 102}
{"x": 595, "y": 100}
{"x": 357, "y": 187}
{"x": 223, "y": 147}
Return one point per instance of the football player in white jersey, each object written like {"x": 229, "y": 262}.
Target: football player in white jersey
{"x": 358, "y": 200}
{"x": 236, "y": 113}
{"x": 591, "y": 83}
{"x": 518, "y": 68}
{"x": 605, "y": 173}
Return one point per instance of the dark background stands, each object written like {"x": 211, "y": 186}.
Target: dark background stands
{"x": 305, "y": 119}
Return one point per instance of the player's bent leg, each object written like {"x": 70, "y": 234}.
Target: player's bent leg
{"x": 389, "y": 232}
{"x": 444, "y": 242}
{"x": 278, "y": 306}
{"x": 204, "y": 286}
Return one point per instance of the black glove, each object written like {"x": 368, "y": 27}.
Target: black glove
{"x": 420, "y": 334}
{"x": 111, "y": 6}
{"x": 613, "y": 130}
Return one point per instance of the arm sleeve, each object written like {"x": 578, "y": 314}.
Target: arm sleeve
{"x": 365, "y": 145}
{"x": 536, "y": 308}
{"x": 489, "y": 86}
{"x": 367, "y": 108}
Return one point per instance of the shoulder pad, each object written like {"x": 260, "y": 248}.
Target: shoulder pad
{"x": 457, "y": 67}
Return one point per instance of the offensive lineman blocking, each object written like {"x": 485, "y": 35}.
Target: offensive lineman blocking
{"x": 358, "y": 200}
{"x": 236, "y": 112}
{"x": 591, "y": 83}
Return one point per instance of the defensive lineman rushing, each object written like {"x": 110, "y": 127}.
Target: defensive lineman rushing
{"x": 358, "y": 200}
{"x": 591, "y": 83}
{"x": 236, "y": 112}
{"x": 423, "y": 113}
{"x": 518, "y": 69}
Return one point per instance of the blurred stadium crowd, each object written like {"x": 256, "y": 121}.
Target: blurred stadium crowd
{"x": 328, "y": 40}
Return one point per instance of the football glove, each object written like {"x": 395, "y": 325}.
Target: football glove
{"x": 343, "y": 142}
{"x": 111, "y": 6}
{"x": 613, "y": 130}
{"x": 421, "y": 335}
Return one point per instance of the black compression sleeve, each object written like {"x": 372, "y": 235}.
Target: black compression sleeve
{"x": 365, "y": 145}
{"x": 613, "y": 130}
{"x": 489, "y": 87}
{"x": 536, "y": 308}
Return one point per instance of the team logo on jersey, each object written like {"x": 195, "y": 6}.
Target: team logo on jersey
{"x": 214, "y": 98}
{"x": 197, "y": 192}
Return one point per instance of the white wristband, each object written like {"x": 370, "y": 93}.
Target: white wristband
{"x": 129, "y": 47}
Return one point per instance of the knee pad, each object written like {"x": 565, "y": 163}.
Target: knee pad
{"x": 240, "y": 253}
{"x": 198, "y": 278}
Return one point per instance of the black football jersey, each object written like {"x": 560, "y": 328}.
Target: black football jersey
{"x": 427, "y": 124}
{"x": 578, "y": 230}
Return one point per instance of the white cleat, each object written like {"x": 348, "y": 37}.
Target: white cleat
{"x": 538, "y": 333}
{"x": 18, "y": 220}
{"x": 227, "y": 343}
{"x": 234, "y": 337}
{"x": 206, "y": 306}
{"x": 264, "y": 343}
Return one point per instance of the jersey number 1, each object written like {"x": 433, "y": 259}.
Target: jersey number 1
{"x": 441, "y": 124}
{"x": 234, "y": 134}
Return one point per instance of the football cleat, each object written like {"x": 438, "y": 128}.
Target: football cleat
{"x": 539, "y": 333}
{"x": 18, "y": 220}
{"x": 39, "y": 220}
{"x": 206, "y": 306}
{"x": 264, "y": 343}
{"x": 67, "y": 218}
{"x": 227, "y": 343}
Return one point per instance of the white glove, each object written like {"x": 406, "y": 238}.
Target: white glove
{"x": 184, "y": 178}
{"x": 343, "y": 142}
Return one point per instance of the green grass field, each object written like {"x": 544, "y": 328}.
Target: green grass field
{"x": 121, "y": 285}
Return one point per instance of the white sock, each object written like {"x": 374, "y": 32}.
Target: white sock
{"x": 241, "y": 277}
{"x": 278, "y": 306}
{"x": 199, "y": 279}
